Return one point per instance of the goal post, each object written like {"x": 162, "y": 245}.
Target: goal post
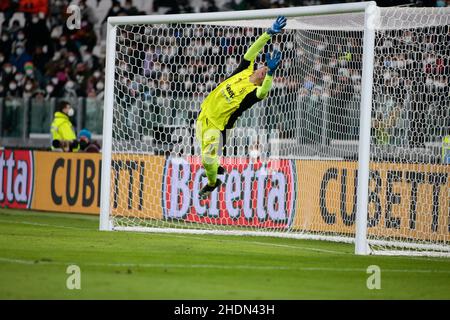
{"x": 339, "y": 151}
{"x": 371, "y": 17}
{"x": 105, "y": 195}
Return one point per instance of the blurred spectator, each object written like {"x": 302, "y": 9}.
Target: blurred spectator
{"x": 62, "y": 130}
{"x": 168, "y": 6}
{"x": 236, "y": 5}
{"x": 382, "y": 126}
{"x": 446, "y": 149}
{"x": 40, "y": 57}
{"x": 87, "y": 13}
{"x": 130, "y": 9}
{"x": 28, "y": 88}
{"x": 85, "y": 36}
{"x": 50, "y": 91}
{"x": 14, "y": 28}
{"x": 20, "y": 57}
{"x": 14, "y": 90}
{"x": 80, "y": 74}
{"x": 95, "y": 85}
{"x": 31, "y": 74}
{"x": 7, "y": 74}
{"x": 8, "y": 7}
{"x": 70, "y": 90}
{"x": 67, "y": 46}
{"x": 184, "y": 6}
{"x": 208, "y": 6}
{"x": 36, "y": 32}
{"x": 86, "y": 143}
{"x": 5, "y": 44}
{"x": 115, "y": 10}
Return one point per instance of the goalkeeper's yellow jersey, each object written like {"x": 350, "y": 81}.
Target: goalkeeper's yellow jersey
{"x": 227, "y": 97}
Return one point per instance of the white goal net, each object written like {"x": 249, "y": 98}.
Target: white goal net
{"x": 292, "y": 159}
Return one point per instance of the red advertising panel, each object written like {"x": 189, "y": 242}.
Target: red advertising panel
{"x": 253, "y": 193}
{"x": 16, "y": 178}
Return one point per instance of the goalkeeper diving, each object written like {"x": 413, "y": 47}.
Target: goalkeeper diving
{"x": 226, "y": 103}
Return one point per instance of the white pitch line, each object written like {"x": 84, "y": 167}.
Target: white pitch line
{"x": 212, "y": 266}
{"x": 17, "y": 261}
{"x": 42, "y": 224}
{"x": 298, "y": 247}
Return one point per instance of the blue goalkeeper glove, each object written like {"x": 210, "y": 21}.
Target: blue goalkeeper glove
{"x": 277, "y": 26}
{"x": 273, "y": 62}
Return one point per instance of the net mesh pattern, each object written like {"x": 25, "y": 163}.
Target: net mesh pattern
{"x": 291, "y": 159}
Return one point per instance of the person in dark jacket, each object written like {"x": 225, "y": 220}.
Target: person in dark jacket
{"x": 86, "y": 143}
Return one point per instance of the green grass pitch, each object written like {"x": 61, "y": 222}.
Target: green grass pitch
{"x": 36, "y": 248}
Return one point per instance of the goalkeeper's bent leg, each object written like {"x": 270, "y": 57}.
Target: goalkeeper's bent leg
{"x": 210, "y": 162}
{"x": 209, "y": 138}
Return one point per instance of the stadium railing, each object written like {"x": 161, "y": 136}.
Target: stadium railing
{"x": 25, "y": 123}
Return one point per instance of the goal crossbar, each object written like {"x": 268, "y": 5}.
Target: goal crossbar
{"x": 242, "y": 15}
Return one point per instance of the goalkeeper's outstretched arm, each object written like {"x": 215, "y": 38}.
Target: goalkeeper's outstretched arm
{"x": 272, "y": 64}
{"x": 259, "y": 44}
{"x": 256, "y": 47}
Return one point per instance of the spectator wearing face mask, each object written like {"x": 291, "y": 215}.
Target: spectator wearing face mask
{"x": 71, "y": 59}
{"x": 91, "y": 61}
{"x": 28, "y": 89}
{"x": 55, "y": 87}
{"x": 41, "y": 57}
{"x": 115, "y": 10}
{"x": 7, "y": 73}
{"x": 20, "y": 57}
{"x": 14, "y": 90}
{"x": 85, "y": 36}
{"x": 19, "y": 78}
{"x": 63, "y": 133}
{"x": 130, "y": 9}
{"x": 20, "y": 37}
{"x": 32, "y": 74}
{"x": 92, "y": 83}
{"x": 86, "y": 143}
{"x": 70, "y": 90}
{"x": 50, "y": 91}
{"x": 67, "y": 45}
